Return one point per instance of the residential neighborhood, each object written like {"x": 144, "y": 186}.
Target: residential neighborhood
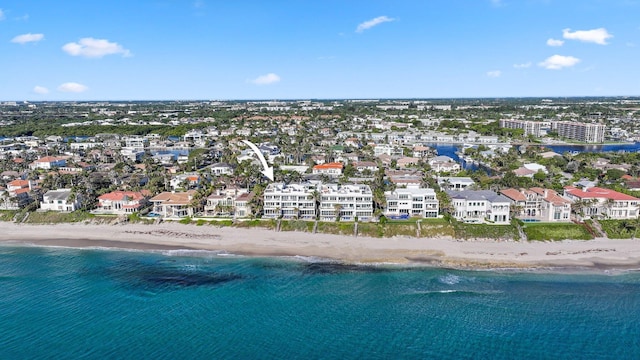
{"x": 333, "y": 161}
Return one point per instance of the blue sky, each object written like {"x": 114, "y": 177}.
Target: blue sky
{"x": 298, "y": 49}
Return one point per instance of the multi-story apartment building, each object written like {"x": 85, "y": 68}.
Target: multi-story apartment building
{"x": 411, "y": 202}
{"x": 530, "y": 127}
{"x": 600, "y": 202}
{"x": 346, "y": 202}
{"x": 590, "y": 133}
{"x": 290, "y": 201}
{"x": 480, "y": 206}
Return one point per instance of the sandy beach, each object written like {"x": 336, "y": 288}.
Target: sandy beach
{"x": 441, "y": 252}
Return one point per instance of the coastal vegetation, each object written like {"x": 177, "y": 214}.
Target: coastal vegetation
{"x": 556, "y": 231}
{"x": 621, "y": 229}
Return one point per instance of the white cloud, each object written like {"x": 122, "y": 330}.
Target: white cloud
{"x": 267, "y": 79}
{"x": 198, "y": 4}
{"x": 373, "y": 22}
{"x": 94, "y": 48}
{"x": 72, "y": 87}
{"x": 40, "y": 90}
{"x": 494, "y": 73}
{"x": 26, "y": 38}
{"x": 555, "y": 42}
{"x": 557, "y": 62}
{"x": 497, "y": 3}
{"x": 1, "y": 15}
{"x": 598, "y": 36}
{"x": 522, "y": 66}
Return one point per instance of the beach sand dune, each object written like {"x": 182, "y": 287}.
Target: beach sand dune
{"x": 442, "y": 252}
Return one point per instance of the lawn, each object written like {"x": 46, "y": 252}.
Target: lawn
{"x": 556, "y": 231}
{"x": 54, "y": 217}
{"x": 485, "y": 231}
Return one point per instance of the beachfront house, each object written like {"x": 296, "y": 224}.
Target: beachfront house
{"x": 121, "y": 202}
{"x": 411, "y": 202}
{"x": 539, "y": 205}
{"x": 60, "y": 200}
{"x": 603, "y": 203}
{"x": 224, "y": 202}
{"x": 480, "y": 206}
{"x": 173, "y": 204}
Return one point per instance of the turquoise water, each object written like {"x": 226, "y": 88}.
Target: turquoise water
{"x": 91, "y": 303}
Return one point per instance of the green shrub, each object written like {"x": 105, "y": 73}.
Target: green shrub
{"x": 556, "y": 231}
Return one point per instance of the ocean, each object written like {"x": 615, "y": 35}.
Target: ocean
{"x": 61, "y": 303}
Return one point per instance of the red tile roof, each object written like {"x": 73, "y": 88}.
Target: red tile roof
{"x": 333, "y": 165}
{"x": 18, "y": 183}
{"x": 513, "y": 194}
{"x": 598, "y": 193}
{"x": 49, "y": 159}
{"x": 120, "y": 195}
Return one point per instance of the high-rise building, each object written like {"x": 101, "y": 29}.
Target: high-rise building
{"x": 589, "y": 133}
{"x": 530, "y": 127}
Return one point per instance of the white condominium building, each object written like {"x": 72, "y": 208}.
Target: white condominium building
{"x": 411, "y": 202}
{"x": 590, "y": 133}
{"x": 290, "y": 201}
{"x": 530, "y": 127}
{"x": 346, "y": 202}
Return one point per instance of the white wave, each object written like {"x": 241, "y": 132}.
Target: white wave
{"x": 198, "y": 253}
{"x": 449, "y": 279}
{"x": 312, "y": 259}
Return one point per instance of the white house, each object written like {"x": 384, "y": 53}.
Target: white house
{"x": 333, "y": 169}
{"x": 444, "y": 163}
{"x": 539, "y": 204}
{"x": 480, "y": 206}
{"x": 224, "y": 202}
{"x": 120, "y": 202}
{"x": 59, "y": 200}
{"x": 457, "y": 183}
{"x": 600, "y": 202}
{"x": 48, "y": 162}
{"x": 221, "y": 169}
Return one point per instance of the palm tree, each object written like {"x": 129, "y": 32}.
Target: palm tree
{"x": 337, "y": 208}
{"x": 609, "y": 204}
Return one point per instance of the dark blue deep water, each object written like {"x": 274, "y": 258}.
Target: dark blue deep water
{"x": 60, "y": 303}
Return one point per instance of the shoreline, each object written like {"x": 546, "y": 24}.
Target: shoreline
{"x": 481, "y": 254}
